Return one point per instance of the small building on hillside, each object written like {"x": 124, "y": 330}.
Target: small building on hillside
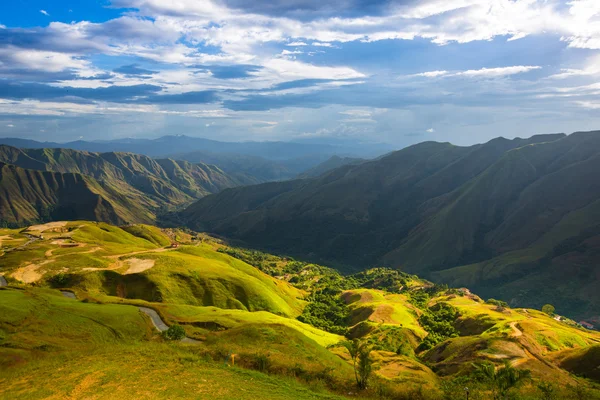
{"x": 586, "y": 324}
{"x": 174, "y": 245}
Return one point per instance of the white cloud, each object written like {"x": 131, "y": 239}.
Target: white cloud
{"x": 430, "y": 130}
{"x": 45, "y": 13}
{"x": 494, "y": 72}
{"x": 297, "y": 44}
{"x": 41, "y": 60}
{"x": 483, "y": 72}
{"x": 10, "y": 126}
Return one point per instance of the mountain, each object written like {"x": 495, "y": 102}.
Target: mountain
{"x": 328, "y": 165}
{"x": 108, "y": 298}
{"x": 136, "y": 187}
{"x": 180, "y": 144}
{"x": 245, "y": 168}
{"x": 29, "y": 195}
{"x": 509, "y": 218}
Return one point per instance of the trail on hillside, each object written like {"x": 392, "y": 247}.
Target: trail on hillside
{"x": 516, "y": 331}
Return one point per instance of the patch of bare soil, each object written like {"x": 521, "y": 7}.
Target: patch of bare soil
{"x": 48, "y": 226}
{"x": 137, "y": 265}
{"x": 30, "y": 273}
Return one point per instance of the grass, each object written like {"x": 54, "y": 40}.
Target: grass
{"x": 145, "y": 371}
{"x": 380, "y": 307}
{"x": 194, "y": 318}
{"x": 35, "y": 320}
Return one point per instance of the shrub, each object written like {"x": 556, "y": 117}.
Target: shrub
{"x": 261, "y": 363}
{"x": 548, "y": 309}
{"x": 175, "y": 332}
{"x": 498, "y": 303}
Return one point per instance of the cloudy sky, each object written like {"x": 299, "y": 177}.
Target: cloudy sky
{"x": 395, "y": 71}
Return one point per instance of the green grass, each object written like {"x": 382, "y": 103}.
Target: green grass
{"x": 34, "y": 320}
{"x": 202, "y": 316}
{"x": 150, "y": 233}
{"x": 380, "y": 307}
{"x": 146, "y": 371}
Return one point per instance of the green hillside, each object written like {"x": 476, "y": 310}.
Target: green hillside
{"x": 136, "y": 187}
{"x": 328, "y": 165}
{"x": 284, "y": 321}
{"x": 509, "y": 218}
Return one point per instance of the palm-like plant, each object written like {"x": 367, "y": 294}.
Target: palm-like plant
{"x": 360, "y": 353}
{"x": 502, "y": 379}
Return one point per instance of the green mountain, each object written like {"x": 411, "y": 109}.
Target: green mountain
{"x": 328, "y": 165}
{"x": 86, "y": 303}
{"x": 136, "y": 187}
{"x": 516, "y": 219}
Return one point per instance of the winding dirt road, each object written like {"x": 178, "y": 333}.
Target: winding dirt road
{"x": 157, "y": 321}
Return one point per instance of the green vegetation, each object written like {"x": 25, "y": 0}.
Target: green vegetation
{"x": 502, "y": 379}
{"x": 282, "y": 322}
{"x": 42, "y": 185}
{"x": 548, "y": 309}
{"x": 175, "y": 332}
{"x": 487, "y": 217}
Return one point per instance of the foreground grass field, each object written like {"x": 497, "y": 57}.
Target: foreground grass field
{"x": 283, "y": 318}
{"x": 146, "y": 371}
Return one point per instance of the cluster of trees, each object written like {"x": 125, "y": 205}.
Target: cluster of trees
{"x": 327, "y": 311}
{"x": 438, "y": 320}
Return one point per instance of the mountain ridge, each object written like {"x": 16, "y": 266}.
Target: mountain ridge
{"x": 453, "y": 214}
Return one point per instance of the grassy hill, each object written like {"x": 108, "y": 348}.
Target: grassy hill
{"x": 136, "y": 187}
{"x": 509, "y": 218}
{"x": 284, "y": 320}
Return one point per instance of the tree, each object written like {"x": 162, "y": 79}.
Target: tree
{"x": 175, "y": 332}
{"x": 548, "y": 309}
{"x": 503, "y": 379}
{"x": 360, "y": 353}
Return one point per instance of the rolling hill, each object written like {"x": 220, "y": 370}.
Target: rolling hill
{"x": 135, "y": 187}
{"x": 83, "y": 305}
{"x": 516, "y": 219}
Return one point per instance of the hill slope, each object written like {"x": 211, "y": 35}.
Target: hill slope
{"x": 283, "y": 317}
{"x": 504, "y": 217}
{"x": 122, "y": 179}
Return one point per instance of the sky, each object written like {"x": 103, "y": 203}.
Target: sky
{"x": 385, "y": 71}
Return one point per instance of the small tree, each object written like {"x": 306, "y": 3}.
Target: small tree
{"x": 175, "y": 332}
{"x": 503, "y": 379}
{"x": 365, "y": 366}
{"x": 548, "y": 309}
{"x": 360, "y": 353}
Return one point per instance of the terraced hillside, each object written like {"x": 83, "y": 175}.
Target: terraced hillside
{"x": 241, "y": 310}
{"x": 514, "y": 219}
{"x": 132, "y": 187}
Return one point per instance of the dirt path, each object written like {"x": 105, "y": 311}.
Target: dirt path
{"x": 516, "y": 331}
{"x": 137, "y": 265}
{"x": 3, "y": 281}
{"x": 68, "y": 294}
{"x": 160, "y": 325}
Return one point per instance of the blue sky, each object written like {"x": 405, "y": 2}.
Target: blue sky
{"x": 393, "y": 71}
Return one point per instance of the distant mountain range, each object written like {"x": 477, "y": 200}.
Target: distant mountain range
{"x": 517, "y": 219}
{"x": 43, "y": 184}
{"x": 249, "y": 162}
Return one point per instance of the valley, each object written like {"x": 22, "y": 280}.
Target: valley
{"x": 85, "y": 315}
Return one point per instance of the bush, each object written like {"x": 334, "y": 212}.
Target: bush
{"x": 175, "y": 332}
{"x": 60, "y": 280}
{"x": 548, "y": 309}
{"x": 498, "y": 303}
{"x": 261, "y": 363}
